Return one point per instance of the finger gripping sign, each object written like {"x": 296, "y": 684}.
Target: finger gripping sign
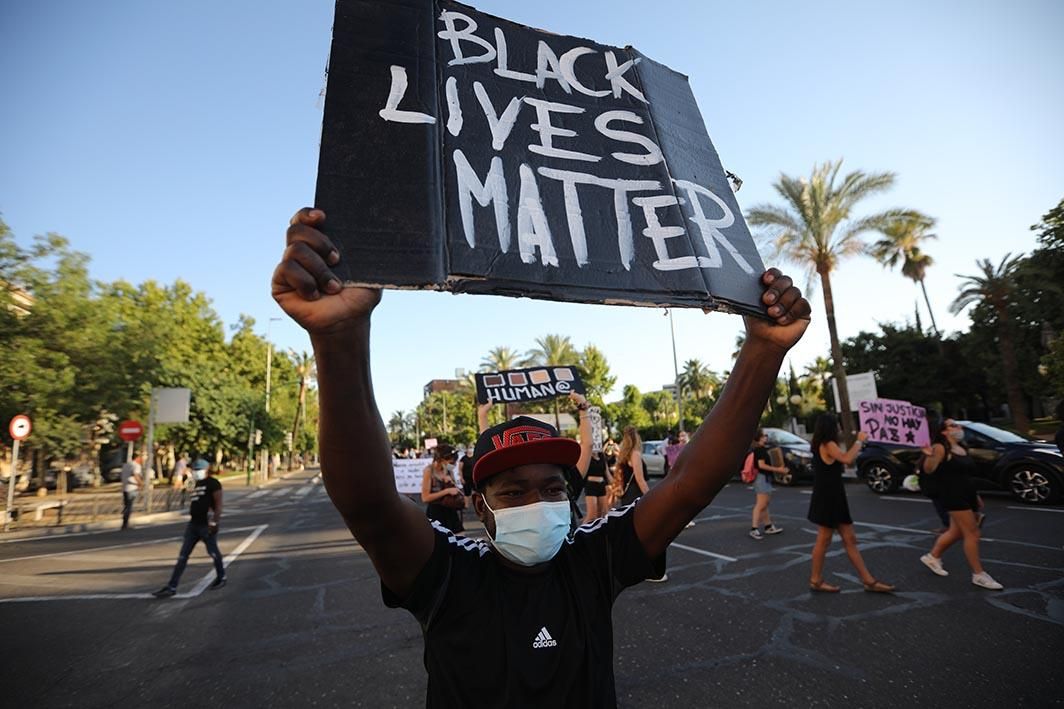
{"x": 534, "y": 384}
{"x": 465, "y": 152}
{"x": 894, "y": 421}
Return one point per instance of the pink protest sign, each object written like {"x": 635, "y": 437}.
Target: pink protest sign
{"x": 893, "y": 421}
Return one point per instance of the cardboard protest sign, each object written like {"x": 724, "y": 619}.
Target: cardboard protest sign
{"x": 465, "y": 152}
{"x": 893, "y": 421}
{"x": 594, "y": 415}
{"x": 408, "y": 474}
{"x": 532, "y": 384}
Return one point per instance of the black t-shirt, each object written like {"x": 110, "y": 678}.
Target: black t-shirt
{"x": 495, "y": 637}
{"x": 761, "y": 455}
{"x": 203, "y": 499}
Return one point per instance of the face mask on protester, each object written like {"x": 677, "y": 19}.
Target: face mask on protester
{"x": 200, "y": 474}
{"x": 956, "y": 434}
{"x": 530, "y": 534}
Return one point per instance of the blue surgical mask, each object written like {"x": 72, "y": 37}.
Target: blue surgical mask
{"x": 199, "y": 474}
{"x": 531, "y": 534}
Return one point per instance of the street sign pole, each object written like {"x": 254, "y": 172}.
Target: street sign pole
{"x": 149, "y": 454}
{"x": 11, "y": 484}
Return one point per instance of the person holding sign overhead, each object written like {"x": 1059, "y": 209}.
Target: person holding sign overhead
{"x": 531, "y": 608}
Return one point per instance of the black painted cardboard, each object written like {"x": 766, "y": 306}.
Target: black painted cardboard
{"x": 393, "y": 195}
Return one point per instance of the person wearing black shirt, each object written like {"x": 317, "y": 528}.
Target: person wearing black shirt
{"x": 763, "y": 487}
{"x": 206, "y": 501}
{"x": 530, "y": 609}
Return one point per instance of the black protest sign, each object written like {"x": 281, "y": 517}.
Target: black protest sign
{"x": 464, "y": 152}
{"x": 533, "y": 384}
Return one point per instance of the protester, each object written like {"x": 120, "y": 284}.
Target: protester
{"x": 673, "y": 448}
{"x": 950, "y": 461}
{"x": 629, "y": 477}
{"x": 531, "y": 609}
{"x": 180, "y": 471}
{"x": 1059, "y": 438}
{"x": 591, "y": 466}
{"x": 205, "y": 513}
{"x": 132, "y": 479}
{"x": 439, "y": 492}
{"x": 763, "y": 488}
{"x": 828, "y": 508}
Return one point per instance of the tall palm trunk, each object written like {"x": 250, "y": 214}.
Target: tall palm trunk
{"x": 1012, "y": 385}
{"x": 934, "y": 325}
{"x": 836, "y": 353}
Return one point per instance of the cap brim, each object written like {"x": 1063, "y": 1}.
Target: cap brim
{"x": 555, "y": 451}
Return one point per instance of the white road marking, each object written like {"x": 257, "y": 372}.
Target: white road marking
{"x": 906, "y": 499}
{"x": 199, "y": 588}
{"x": 93, "y": 550}
{"x": 304, "y": 491}
{"x": 1034, "y": 509}
{"x": 703, "y": 552}
{"x": 233, "y": 555}
{"x": 806, "y": 492}
{"x": 258, "y": 493}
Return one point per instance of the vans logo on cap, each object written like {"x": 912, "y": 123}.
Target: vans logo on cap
{"x": 544, "y": 639}
{"x": 517, "y": 435}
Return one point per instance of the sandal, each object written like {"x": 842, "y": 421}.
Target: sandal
{"x": 878, "y": 587}
{"x": 822, "y": 586}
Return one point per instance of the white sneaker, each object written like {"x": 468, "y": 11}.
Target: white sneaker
{"x": 662, "y": 579}
{"x": 983, "y": 580}
{"x": 934, "y": 564}
{"x": 773, "y": 529}
{"x": 690, "y": 524}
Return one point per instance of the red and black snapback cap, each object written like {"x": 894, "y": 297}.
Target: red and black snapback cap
{"x": 522, "y": 441}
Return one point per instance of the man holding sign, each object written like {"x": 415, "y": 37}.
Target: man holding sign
{"x": 530, "y": 610}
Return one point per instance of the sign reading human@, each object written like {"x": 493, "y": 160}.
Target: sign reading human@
{"x": 20, "y": 427}
{"x": 532, "y": 384}
{"x": 893, "y": 421}
{"x": 464, "y": 152}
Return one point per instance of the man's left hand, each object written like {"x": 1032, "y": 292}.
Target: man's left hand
{"x": 787, "y": 308}
{"x": 212, "y": 528}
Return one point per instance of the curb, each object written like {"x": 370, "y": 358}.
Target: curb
{"x": 101, "y": 526}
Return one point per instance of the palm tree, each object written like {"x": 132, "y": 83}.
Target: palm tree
{"x": 552, "y": 351}
{"x": 994, "y": 287}
{"x": 499, "y": 359}
{"x": 901, "y": 243}
{"x": 397, "y": 425}
{"x": 818, "y": 370}
{"x": 697, "y": 379}
{"x": 816, "y": 228}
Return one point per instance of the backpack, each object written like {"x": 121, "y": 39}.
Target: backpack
{"x": 749, "y": 472}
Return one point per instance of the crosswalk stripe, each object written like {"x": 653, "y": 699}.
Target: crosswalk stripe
{"x": 259, "y": 493}
{"x": 306, "y": 489}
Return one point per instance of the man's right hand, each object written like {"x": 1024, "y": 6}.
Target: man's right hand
{"x": 305, "y": 286}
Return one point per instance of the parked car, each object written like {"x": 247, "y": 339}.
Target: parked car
{"x": 797, "y": 455}
{"x": 1032, "y": 471}
{"x": 654, "y": 458}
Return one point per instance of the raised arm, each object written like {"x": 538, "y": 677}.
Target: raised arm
{"x": 585, "y": 433}
{"x": 356, "y": 461}
{"x": 717, "y": 448}
{"x": 937, "y": 455}
{"x": 835, "y": 453}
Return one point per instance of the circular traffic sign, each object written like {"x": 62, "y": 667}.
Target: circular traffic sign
{"x": 20, "y": 427}
{"x": 130, "y": 430}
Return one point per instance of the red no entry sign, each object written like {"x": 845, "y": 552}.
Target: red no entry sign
{"x": 20, "y": 427}
{"x": 130, "y": 430}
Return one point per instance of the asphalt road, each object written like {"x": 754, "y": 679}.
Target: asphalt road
{"x": 301, "y": 622}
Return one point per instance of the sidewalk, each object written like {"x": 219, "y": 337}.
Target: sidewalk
{"x": 100, "y": 509}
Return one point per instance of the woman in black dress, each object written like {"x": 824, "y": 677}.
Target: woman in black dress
{"x": 441, "y": 496}
{"x": 828, "y": 508}
{"x": 950, "y": 463}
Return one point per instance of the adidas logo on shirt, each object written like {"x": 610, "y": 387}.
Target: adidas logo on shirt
{"x": 544, "y": 640}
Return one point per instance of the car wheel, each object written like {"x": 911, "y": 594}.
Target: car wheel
{"x": 880, "y": 478}
{"x": 1033, "y": 486}
{"x": 784, "y": 478}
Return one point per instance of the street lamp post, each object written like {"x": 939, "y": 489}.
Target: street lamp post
{"x": 676, "y": 373}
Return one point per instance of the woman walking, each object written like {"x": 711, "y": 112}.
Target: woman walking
{"x": 442, "y": 497}
{"x": 950, "y": 463}
{"x": 828, "y": 508}
{"x": 628, "y": 473}
{"x": 763, "y": 488}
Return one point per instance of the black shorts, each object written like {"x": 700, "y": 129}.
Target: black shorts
{"x": 595, "y": 486}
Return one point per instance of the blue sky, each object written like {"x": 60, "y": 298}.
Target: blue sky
{"x": 174, "y": 140}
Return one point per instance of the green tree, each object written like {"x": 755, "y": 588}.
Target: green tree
{"x": 901, "y": 243}
{"x": 994, "y": 286}
{"x": 816, "y": 227}
{"x": 595, "y": 372}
